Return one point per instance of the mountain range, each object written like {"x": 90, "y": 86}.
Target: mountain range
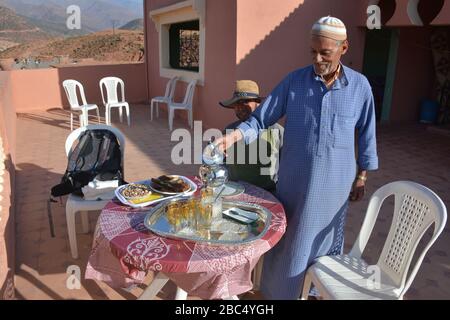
{"x": 16, "y": 29}
{"x": 96, "y": 15}
{"x": 137, "y": 24}
{"x": 103, "y": 46}
{"x": 27, "y": 21}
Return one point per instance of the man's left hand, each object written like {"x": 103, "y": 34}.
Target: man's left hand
{"x": 358, "y": 191}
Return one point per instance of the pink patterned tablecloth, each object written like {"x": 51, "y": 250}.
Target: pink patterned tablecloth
{"x": 124, "y": 252}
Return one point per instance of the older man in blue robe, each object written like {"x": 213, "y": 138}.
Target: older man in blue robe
{"x": 327, "y": 105}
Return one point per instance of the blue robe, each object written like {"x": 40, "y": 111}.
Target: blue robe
{"x": 318, "y": 166}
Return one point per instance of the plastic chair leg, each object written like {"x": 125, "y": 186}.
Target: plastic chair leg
{"x": 181, "y": 294}
{"x": 151, "y": 110}
{"x": 157, "y": 110}
{"x": 127, "y": 109}
{"x": 171, "y": 115}
{"x": 108, "y": 116}
{"x": 71, "y": 230}
{"x": 86, "y": 117}
{"x": 190, "y": 118}
{"x": 82, "y": 121}
{"x": 121, "y": 114}
{"x": 85, "y": 221}
{"x": 98, "y": 115}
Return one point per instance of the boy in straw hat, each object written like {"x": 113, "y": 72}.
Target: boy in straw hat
{"x": 324, "y": 103}
{"x": 256, "y": 163}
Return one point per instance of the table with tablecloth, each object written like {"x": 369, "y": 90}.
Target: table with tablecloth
{"x": 124, "y": 251}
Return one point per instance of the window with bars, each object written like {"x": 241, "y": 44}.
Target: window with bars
{"x": 185, "y": 45}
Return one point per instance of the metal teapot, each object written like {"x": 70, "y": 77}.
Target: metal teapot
{"x": 213, "y": 173}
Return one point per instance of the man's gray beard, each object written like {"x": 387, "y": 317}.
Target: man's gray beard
{"x": 325, "y": 73}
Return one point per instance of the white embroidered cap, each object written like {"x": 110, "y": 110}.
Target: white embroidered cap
{"x": 330, "y": 27}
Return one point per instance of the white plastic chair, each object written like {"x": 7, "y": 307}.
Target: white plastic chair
{"x": 111, "y": 99}
{"x": 70, "y": 87}
{"x": 185, "y": 105}
{"x": 167, "y": 98}
{"x": 75, "y": 203}
{"x": 350, "y": 277}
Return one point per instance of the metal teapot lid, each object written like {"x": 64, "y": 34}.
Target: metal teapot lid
{"x": 212, "y": 156}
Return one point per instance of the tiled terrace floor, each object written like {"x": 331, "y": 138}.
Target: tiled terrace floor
{"x": 406, "y": 153}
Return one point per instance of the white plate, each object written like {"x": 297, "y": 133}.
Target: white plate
{"x": 188, "y": 181}
{"x": 122, "y": 199}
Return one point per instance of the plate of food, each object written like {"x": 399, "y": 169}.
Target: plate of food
{"x": 138, "y": 195}
{"x": 146, "y": 193}
{"x": 171, "y": 185}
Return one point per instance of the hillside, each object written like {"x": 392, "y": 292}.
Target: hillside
{"x": 137, "y": 24}
{"x": 101, "y": 46}
{"x": 97, "y": 15}
{"x": 10, "y": 21}
{"x": 16, "y": 29}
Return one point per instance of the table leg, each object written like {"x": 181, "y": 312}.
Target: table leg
{"x": 85, "y": 221}
{"x": 155, "y": 287}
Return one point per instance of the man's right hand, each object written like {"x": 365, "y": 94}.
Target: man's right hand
{"x": 228, "y": 140}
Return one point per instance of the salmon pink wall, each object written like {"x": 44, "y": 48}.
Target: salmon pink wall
{"x": 252, "y": 39}
{"x": 220, "y": 66}
{"x": 443, "y": 18}
{"x": 273, "y": 40}
{"x": 41, "y": 89}
{"x": 264, "y": 41}
{"x": 7, "y": 175}
{"x": 7, "y": 114}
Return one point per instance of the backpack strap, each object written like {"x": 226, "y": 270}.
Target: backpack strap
{"x": 103, "y": 151}
{"x": 80, "y": 148}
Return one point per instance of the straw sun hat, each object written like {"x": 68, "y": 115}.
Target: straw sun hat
{"x": 245, "y": 90}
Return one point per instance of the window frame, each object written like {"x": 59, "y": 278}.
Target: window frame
{"x": 174, "y": 43}
{"x": 178, "y": 13}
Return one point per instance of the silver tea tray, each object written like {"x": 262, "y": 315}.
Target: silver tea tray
{"x": 224, "y": 231}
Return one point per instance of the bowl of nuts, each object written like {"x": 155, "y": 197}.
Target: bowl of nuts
{"x": 137, "y": 195}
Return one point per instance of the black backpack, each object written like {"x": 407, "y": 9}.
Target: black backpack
{"x": 96, "y": 155}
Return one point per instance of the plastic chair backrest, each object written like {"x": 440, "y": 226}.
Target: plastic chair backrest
{"x": 70, "y": 87}
{"x": 75, "y": 134}
{"x": 111, "y": 85}
{"x": 416, "y": 209}
{"x": 190, "y": 90}
{"x": 170, "y": 89}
